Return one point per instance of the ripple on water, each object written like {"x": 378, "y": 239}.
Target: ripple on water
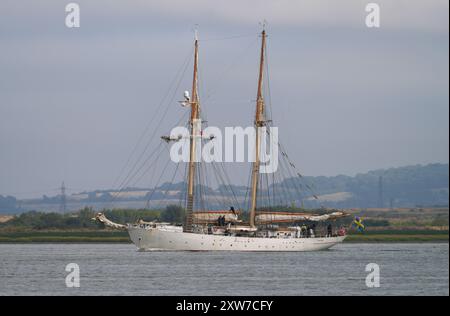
{"x": 119, "y": 269}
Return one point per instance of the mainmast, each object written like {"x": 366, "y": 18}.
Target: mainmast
{"x": 195, "y": 116}
{"x": 259, "y": 122}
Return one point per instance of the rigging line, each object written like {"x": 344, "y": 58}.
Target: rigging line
{"x": 292, "y": 176}
{"x": 221, "y": 186}
{"x": 218, "y": 192}
{"x": 227, "y": 179}
{"x": 171, "y": 182}
{"x": 271, "y": 110}
{"x": 268, "y": 84}
{"x": 296, "y": 180}
{"x": 202, "y": 180}
{"x": 273, "y": 180}
{"x": 154, "y": 163}
{"x": 227, "y": 38}
{"x": 153, "y": 118}
{"x": 152, "y": 176}
{"x": 299, "y": 173}
{"x": 198, "y": 187}
{"x": 280, "y": 188}
{"x": 220, "y": 195}
{"x": 283, "y": 195}
{"x": 273, "y": 187}
{"x": 201, "y": 193}
{"x": 184, "y": 117}
{"x": 202, "y": 187}
{"x": 230, "y": 186}
{"x": 219, "y": 183}
{"x": 219, "y": 203}
{"x": 260, "y": 191}
{"x": 159, "y": 123}
{"x": 205, "y": 177}
{"x": 287, "y": 170}
{"x": 258, "y": 196}
{"x": 204, "y": 171}
{"x": 206, "y": 189}
{"x": 266, "y": 191}
{"x": 117, "y": 193}
{"x": 207, "y": 183}
{"x": 266, "y": 176}
{"x": 223, "y": 74}
{"x": 284, "y": 187}
{"x": 271, "y": 107}
{"x": 247, "y": 202}
{"x": 231, "y": 199}
{"x": 183, "y": 191}
{"x": 226, "y": 187}
{"x": 292, "y": 180}
{"x": 200, "y": 89}
{"x": 276, "y": 187}
{"x": 159, "y": 179}
{"x": 132, "y": 176}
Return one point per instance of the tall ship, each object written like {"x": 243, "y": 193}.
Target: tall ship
{"x": 261, "y": 228}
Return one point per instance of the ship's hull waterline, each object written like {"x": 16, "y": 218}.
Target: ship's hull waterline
{"x": 156, "y": 239}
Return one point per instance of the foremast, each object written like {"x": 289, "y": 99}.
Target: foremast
{"x": 259, "y": 122}
{"x": 194, "y": 119}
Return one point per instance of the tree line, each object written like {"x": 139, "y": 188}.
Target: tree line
{"x": 83, "y": 219}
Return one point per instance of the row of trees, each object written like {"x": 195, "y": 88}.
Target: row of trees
{"x": 8, "y": 204}
{"x": 84, "y": 218}
{"x": 402, "y": 187}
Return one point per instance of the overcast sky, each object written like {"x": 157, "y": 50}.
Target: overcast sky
{"x": 347, "y": 99}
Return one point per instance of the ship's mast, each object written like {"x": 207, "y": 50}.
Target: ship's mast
{"x": 259, "y": 122}
{"x": 195, "y": 116}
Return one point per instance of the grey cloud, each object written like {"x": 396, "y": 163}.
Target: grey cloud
{"x": 73, "y": 102}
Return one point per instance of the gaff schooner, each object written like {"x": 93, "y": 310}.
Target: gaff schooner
{"x": 265, "y": 230}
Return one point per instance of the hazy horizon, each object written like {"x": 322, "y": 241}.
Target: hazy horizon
{"x": 347, "y": 99}
{"x": 70, "y": 191}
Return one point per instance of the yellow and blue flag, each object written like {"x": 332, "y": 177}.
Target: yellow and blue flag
{"x": 358, "y": 222}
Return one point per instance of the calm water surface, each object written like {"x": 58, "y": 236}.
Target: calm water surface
{"x": 118, "y": 269}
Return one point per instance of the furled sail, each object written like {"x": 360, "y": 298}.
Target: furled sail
{"x": 102, "y": 219}
{"x": 289, "y": 217}
{"x": 208, "y": 217}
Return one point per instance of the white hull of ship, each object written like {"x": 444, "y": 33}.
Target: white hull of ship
{"x": 157, "y": 239}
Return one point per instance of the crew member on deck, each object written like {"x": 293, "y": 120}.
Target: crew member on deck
{"x": 329, "y": 230}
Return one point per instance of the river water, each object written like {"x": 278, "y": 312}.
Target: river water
{"x": 119, "y": 269}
